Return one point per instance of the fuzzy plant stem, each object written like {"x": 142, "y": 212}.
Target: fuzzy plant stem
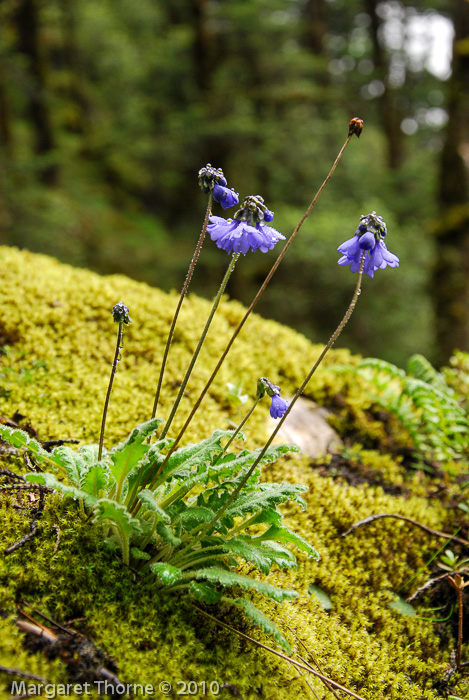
{"x": 215, "y": 304}
{"x": 253, "y": 304}
{"x": 181, "y": 299}
{"x": 237, "y": 431}
{"x": 298, "y": 392}
{"x": 255, "y": 300}
{"x": 115, "y": 362}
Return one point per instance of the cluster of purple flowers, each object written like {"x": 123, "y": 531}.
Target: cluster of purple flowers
{"x": 368, "y": 238}
{"x": 213, "y": 180}
{"x": 247, "y": 230}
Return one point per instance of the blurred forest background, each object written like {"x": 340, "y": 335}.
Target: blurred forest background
{"x": 108, "y": 108}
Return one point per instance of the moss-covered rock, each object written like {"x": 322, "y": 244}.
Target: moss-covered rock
{"x": 57, "y": 341}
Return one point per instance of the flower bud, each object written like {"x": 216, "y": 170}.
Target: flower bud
{"x": 120, "y": 313}
{"x": 355, "y": 127}
{"x": 210, "y": 176}
{"x": 254, "y": 211}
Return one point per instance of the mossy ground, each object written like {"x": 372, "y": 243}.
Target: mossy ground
{"x": 57, "y": 339}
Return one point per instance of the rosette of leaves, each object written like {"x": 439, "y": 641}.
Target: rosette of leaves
{"x": 171, "y": 530}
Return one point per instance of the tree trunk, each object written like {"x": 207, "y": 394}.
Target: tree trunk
{"x": 451, "y": 273}
{"x": 314, "y": 16}
{"x": 390, "y": 116}
{"x": 27, "y": 20}
{"x": 5, "y": 124}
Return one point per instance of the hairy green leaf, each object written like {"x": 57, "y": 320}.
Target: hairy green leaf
{"x": 18, "y": 438}
{"x": 284, "y": 534}
{"x": 167, "y": 534}
{"x": 51, "y": 481}
{"x": 194, "y": 515}
{"x": 73, "y": 463}
{"x": 126, "y": 456}
{"x": 258, "y": 618}
{"x": 266, "y": 496}
{"x": 195, "y": 457}
{"x": 137, "y": 553}
{"x": 147, "y": 497}
{"x": 204, "y": 591}
{"x": 118, "y": 515}
{"x": 166, "y": 573}
{"x": 249, "y": 553}
{"x": 94, "y": 479}
{"x": 230, "y": 578}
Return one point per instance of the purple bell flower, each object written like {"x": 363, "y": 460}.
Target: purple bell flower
{"x": 278, "y": 406}
{"x": 224, "y": 196}
{"x": 369, "y": 237}
{"x": 247, "y": 230}
{"x": 240, "y": 237}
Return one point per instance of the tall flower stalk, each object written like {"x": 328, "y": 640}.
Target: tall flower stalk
{"x": 247, "y": 231}
{"x": 184, "y": 289}
{"x": 212, "y": 182}
{"x": 120, "y": 313}
{"x": 197, "y": 350}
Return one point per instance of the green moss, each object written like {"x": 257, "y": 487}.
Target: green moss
{"x": 61, "y": 316}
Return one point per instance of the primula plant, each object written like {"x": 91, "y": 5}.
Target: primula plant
{"x": 190, "y": 515}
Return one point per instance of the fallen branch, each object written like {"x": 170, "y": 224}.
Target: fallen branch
{"x": 22, "y": 674}
{"x": 430, "y": 531}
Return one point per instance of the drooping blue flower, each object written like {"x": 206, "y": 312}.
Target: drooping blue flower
{"x": 213, "y": 180}
{"x": 247, "y": 230}
{"x": 278, "y": 406}
{"x": 369, "y": 237}
{"x": 224, "y": 196}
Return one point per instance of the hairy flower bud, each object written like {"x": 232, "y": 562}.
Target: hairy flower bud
{"x": 120, "y": 313}
{"x": 210, "y": 176}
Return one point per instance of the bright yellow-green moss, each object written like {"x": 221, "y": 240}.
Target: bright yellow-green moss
{"x": 60, "y": 316}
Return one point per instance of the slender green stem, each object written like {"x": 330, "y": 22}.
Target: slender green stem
{"x": 298, "y": 392}
{"x": 109, "y": 389}
{"x": 192, "y": 562}
{"x": 181, "y": 299}
{"x": 237, "y": 431}
{"x": 254, "y": 302}
{"x": 150, "y": 481}
{"x": 215, "y": 304}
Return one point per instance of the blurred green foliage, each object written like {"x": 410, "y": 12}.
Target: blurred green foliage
{"x": 136, "y": 97}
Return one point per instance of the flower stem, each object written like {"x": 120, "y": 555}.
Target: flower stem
{"x": 181, "y": 299}
{"x": 237, "y": 431}
{"x": 299, "y": 391}
{"x": 215, "y": 304}
{"x": 256, "y": 299}
{"x": 109, "y": 389}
